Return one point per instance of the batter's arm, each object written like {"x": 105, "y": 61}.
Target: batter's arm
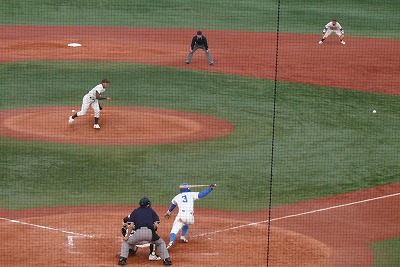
{"x": 205, "y": 192}
{"x": 170, "y": 209}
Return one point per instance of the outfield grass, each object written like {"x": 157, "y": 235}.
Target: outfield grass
{"x": 386, "y": 252}
{"x": 359, "y": 18}
{"x": 327, "y": 141}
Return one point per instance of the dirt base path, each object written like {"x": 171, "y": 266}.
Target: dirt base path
{"x": 362, "y": 64}
{"x": 333, "y": 231}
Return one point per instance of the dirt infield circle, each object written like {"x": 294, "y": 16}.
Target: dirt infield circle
{"x": 119, "y": 126}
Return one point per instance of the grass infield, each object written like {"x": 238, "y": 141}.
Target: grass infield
{"x": 327, "y": 141}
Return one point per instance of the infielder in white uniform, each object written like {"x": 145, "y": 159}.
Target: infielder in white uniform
{"x": 335, "y": 27}
{"x": 91, "y": 99}
{"x": 185, "y": 202}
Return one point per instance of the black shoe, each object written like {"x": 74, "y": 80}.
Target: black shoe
{"x": 212, "y": 64}
{"x": 122, "y": 261}
{"x": 167, "y": 262}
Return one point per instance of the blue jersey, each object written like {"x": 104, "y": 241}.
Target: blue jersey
{"x": 144, "y": 217}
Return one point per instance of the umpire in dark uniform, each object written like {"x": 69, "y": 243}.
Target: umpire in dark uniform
{"x": 144, "y": 220}
{"x": 199, "y": 41}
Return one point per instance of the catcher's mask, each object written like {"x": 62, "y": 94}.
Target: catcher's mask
{"x": 145, "y": 202}
{"x": 185, "y": 189}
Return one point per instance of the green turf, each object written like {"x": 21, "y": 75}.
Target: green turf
{"x": 327, "y": 140}
{"x": 386, "y": 253}
{"x": 367, "y": 18}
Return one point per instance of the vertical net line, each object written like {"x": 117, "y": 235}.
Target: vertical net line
{"x": 273, "y": 132}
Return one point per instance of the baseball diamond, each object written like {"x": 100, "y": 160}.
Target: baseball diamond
{"x": 282, "y": 120}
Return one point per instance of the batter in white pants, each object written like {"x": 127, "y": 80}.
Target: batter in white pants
{"x": 91, "y": 99}
{"x": 183, "y": 218}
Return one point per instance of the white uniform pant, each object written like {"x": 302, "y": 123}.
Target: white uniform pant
{"x": 183, "y": 218}
{"x": 329, "y": 32}
{"x": 87, "y": 102}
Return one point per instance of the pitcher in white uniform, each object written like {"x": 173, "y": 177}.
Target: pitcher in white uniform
{"x": 185, "y": 202}
{"x": 91, "y": 99}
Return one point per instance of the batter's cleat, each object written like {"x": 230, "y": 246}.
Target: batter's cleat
{"x": 154, "y": 257}
{"x": 343, "y": 42}
{"x": 96, "y": 126}
{"x": 187, "y": 62}
{"x": 211, "y": 64}
{"x": 170, "y": 245}
{"x": 167, "y": 262}
{"x": 320, "y": 42}
{"x": 184, "y": 239}
{"x": 122, "y": 261}
{"x": 70, "y": 120}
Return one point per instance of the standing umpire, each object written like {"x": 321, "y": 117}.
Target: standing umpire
{"x": 199, "y": 41}
{"x": 144, "y": 220}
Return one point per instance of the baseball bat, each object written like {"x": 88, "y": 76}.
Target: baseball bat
{"x": 195, "y": 185}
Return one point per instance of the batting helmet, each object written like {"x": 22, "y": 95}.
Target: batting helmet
{"x": 187, "y": 189}
{"x": 145, "y": 202}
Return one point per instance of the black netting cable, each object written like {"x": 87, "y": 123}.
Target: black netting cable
{"x": 273, "y": 133}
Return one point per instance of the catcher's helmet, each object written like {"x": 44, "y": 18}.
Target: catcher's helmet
{"x": 185, "y": 189}
{"x": 145, "y": 202}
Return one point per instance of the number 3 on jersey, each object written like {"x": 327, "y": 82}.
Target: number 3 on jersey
{"x": 184, "y": 198}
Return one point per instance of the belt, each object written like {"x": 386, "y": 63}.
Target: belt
{"x": 143, "y": 227}
{"x": 190, "y": 211}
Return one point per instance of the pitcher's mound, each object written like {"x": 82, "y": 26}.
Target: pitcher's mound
{"x": 119, "y": 126}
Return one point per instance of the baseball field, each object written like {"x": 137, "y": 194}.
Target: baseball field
{"x": 300, "y": 138}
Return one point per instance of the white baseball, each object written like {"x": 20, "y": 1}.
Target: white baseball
{"x": 74, "y": 110}
{"x": 374, "y": 111}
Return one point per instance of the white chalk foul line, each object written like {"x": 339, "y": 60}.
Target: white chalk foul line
{"x": 297, "y": 215}
{"x": 73, "y": 234}
{"x": 46, "y": 228}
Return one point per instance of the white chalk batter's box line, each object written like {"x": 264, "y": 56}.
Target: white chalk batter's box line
{"x": 72, "y": 235}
